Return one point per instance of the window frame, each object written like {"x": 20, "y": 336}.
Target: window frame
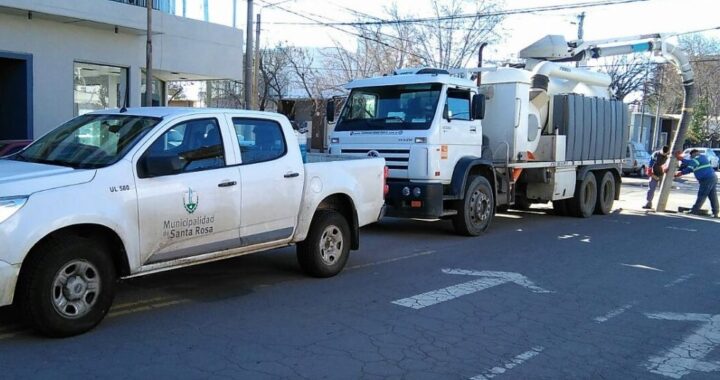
{"x": 123, "y": 102}
{"x": 146, "y": 148}
{"x": 468, "y": 98}
{"x": 282, "y": 135}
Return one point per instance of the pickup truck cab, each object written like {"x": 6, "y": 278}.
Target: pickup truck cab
{"x": 124, "y": 193}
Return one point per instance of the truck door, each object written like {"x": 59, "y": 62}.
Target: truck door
{"x": 272, "y": 181}
{"x": 188, "y": 198}
{"x": 459, "y": 132}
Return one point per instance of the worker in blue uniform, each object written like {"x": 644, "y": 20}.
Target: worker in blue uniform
{"x": 699, "y": 165}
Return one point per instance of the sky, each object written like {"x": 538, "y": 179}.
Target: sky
{"x": 518, "y": 31}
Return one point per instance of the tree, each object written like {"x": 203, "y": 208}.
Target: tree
{"x": 698, "y": 132}
{"x": 274, "y": 75}
{"x": 628, "y": 74}
{"x": 453, "y": 38}
{"x": 175, "y": 91}
{"x": 704, "y": 54}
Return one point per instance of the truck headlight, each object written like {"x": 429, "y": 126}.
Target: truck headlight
{"x": 9, "y": 206}
{"x": 334, "y": 140}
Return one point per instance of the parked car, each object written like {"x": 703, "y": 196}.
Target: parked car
{"x": 117, "y": 194}
{"x": 637, "y": 159}
{"x": 709, "y": 153}
{"x": 8, "y": 147}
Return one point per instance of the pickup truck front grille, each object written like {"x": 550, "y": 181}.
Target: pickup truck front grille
{"x": 395, "y": 159}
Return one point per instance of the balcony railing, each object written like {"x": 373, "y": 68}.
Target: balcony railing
{"x": 220, "y": 12}
{"x": 167, "y": 6}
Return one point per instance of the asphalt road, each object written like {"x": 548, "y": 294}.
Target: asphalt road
{"x": 629, "y": 295}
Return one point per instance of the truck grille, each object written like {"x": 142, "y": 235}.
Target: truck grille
{"x": 395, "y": 159}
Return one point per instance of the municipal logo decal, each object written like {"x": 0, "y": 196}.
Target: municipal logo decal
{"x": 190, "y": 200}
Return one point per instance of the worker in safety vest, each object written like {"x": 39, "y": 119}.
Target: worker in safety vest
{"x": 700, "y": 166}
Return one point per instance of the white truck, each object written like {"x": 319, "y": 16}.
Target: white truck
{"x": 459, "y": 147}
{"x": 130, "y": 192}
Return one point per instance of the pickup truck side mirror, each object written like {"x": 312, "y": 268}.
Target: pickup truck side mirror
{"x": 330, "y": 111}
{"x": 156, "y": 166}
{"x": 478, "y": 107}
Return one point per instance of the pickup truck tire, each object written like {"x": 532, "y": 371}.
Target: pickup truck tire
{"x": 606, "y": 194}
{"x": 326, "y": 249}
{"x": 582, "y": 205}
{"x": 68, "y": 286}
{"x": 475, "y": 211}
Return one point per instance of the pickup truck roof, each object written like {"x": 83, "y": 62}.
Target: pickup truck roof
{"x": 163, "y": 112}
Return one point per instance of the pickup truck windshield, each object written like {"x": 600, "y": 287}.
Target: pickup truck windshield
{"x": 390, "y": 107}
{"x": 89, "y": 141}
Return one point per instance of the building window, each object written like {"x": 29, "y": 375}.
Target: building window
{"x": 99, "y": 87}
{"x": 158, "y": 91}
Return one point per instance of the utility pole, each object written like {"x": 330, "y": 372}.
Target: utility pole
{"x": 149, "y": 58}
{"x": 581, "y": 31}
{"x": 256, "y": 66}
{"x": 581, "y": 25}
{"x": 248, "y": 56}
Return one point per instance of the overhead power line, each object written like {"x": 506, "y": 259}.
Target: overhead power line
{"x": 507, "y": 12}
{"x": 359, "y": 35}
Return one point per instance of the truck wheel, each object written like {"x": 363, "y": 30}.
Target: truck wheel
{"x": 606, "y": 194}
{"x": 583, "y": 204}
{"x": 327, "y": 246}
{"x": 67, "y": 286}
{"x": 475, "y": 211}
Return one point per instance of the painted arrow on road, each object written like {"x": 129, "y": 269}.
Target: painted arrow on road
{"x": 489, "y": 279}
{"x": 689, "y": 355}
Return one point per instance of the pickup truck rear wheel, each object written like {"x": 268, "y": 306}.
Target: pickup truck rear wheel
{"x": 327, "y": 246}
{"x": 475, "y": 212}
{"x": 67, "y": 286}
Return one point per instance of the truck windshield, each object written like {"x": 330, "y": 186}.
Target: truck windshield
{"x": 390, "y": 107}
{"x": 89, "y": 141}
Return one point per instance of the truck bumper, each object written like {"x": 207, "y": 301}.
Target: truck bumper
{"x": 427, "y": 205}
{"x": 8, "y": 280}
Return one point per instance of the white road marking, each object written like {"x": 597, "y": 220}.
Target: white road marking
{"x": 615, "y": 313}
{"x": 640, "y": 266}
{"x": 514, "y": 362}
{"x": 680, "y": 280}
{"x": 681, "y": 229}
{"x": 489, "y": 280}
{"x": 689, "y": 355}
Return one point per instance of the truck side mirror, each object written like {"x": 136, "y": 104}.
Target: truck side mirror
{"x": 330, "y": 111}
{"x": 478, "y": 107}
{"x": 157, "y": 166}
{"x": 446, "y": 113}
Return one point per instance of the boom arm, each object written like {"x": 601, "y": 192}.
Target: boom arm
{"x": 550, "y": 48}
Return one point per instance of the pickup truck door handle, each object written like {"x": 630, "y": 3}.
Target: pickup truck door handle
{"x": 292, "y": 175}
{"x": 227, "y": 184}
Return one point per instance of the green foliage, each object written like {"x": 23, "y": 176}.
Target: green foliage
{"x": 698, "y": 132}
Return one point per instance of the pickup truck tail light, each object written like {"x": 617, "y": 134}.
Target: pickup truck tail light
{"x": 386, "y": 187}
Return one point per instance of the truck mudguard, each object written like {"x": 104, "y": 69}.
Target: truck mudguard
{"x": 462, "y": 171}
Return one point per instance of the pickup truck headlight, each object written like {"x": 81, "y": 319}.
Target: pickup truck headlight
{"x": 9, "y": 206}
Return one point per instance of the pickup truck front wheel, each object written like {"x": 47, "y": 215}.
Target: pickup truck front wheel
{"x": 68, "y": 286}
{"x": 327, "y": 246}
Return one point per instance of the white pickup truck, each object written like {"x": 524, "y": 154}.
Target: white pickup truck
{"x": 124, "y": 193}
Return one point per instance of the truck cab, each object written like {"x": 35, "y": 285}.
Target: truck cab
{"x": 427, "y": 126}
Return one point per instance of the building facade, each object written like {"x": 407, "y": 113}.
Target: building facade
{"x": 60, "y": 59}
